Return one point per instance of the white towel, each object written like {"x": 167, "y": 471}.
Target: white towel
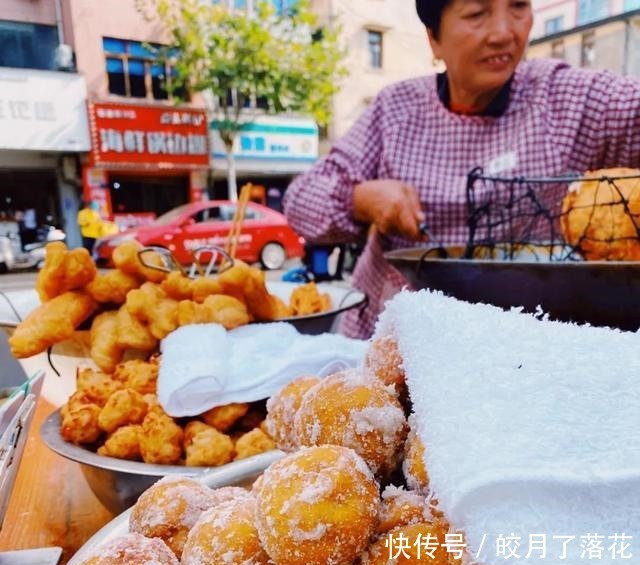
{"x": 204, "y": 366}
{"x": 532, "y": 427}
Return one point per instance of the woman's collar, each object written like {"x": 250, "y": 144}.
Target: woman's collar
{"x": 496, "y": 108}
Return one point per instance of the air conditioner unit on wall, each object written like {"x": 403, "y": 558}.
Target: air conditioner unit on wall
{"x": 63, "y": 58}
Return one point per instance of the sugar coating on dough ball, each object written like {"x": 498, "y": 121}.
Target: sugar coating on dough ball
{"x": 132, "y": 548}
{"x": 348, "y": 409}
{"x": 400, "y": 507}
{"x": 169, "y": 509}
{"x": 383, "y": 360}
{"x": 281, "y": 411}
{"x": 413, "y": 465}
{"x": 317, "y": 506}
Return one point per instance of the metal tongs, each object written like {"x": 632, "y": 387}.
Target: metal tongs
{"x": 208, "y": 260}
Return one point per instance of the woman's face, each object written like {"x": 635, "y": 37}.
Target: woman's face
{"x": 482, "y": 41}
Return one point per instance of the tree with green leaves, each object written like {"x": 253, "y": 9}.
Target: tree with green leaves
{"x": 235, "y": 58}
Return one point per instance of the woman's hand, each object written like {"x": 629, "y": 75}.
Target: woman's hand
{"x": 392, "y": 205}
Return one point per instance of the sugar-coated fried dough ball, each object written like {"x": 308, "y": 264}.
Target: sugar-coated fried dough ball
{"x": 216, "y": 309}
{"x": 124, "y": 407}
{"x": 206, "y": 447}
{"x": 161, "y": 440}
{"x": 169, "y": 509}
{"x": 124, "y": 443}
{"x": 178, "y": 286}
{"x": 317, "y": 506}
{"x": 125, "y": 257}
{"x": 226, "y": 534}
{"x": 132, "y": 549}
{"x": 151, "y": 306}
{"x": 413, "y": 465}
{"x": 224, "y": 417}
{"x": 64, "y": 270}
{"x": 402, "y": 507}
{"x": 138, "y": 375}
{"x": 383, "y": 360}
{"x": 225, "y": 494}
{"x": 600, "y": 218}
{"x": 106, "y": 352}
{"x": 80, "y": 425}
{"x": 134, "y": 334}
{"x": 113, "y": 287}
{"x": 96, "y": 385}
{"x": 281, "y": 411}
{"x": 50, "y": 323}
{"x": 347, "y": 409}
{"x": 418, "y": 541}
{"x": 253, "y": 443}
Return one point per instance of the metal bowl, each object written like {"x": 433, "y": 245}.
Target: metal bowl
{"x": 240, "y": 473}
{"x": 118, "y": 483}
{"x": 601, "y": 293}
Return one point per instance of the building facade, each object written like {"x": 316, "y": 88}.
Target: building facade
{"x": 597, "y": 34}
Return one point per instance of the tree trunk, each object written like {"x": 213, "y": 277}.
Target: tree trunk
{"x": 231, "y": 174}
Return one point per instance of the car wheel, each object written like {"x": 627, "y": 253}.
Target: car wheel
{"x": 273, "y": 256}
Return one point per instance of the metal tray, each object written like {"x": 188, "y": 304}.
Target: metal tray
{"x": 240, "y": 473}
{"x": 601, "y": 293}
{"x": 118, "y": 483}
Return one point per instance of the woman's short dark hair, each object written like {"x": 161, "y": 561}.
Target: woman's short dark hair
{"x": 430, "y": 13}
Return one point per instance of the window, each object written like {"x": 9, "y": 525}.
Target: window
{"x": 557, "y": 49}
{"x": 27, "y": 46}
{"x": 592, "y": 10}
{"x": 375, "y": 48}
{"x": 207, "y": 215}
{"x": 553, "y": 25}
{"x": 588, "y": 50}
{"x": 631, "y": 5}
{"x": 134, "y": 70}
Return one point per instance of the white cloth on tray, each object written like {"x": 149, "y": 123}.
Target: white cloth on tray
{"x": 204, "y": 366}
{"x": 531, "y": 427}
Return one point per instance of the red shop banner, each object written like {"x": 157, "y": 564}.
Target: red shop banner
{"x": 148, "y": 136}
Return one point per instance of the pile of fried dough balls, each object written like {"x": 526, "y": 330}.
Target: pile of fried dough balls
{"x": 119, "y": 414}
{"x": 353, "y": 479}
{"x": 134, "y": 306}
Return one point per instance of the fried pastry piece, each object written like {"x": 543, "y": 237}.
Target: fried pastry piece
{"x": 205, "y": 446}
{"x": 253, "y": 443}
{"x": 178, "y": 286}
{"x": 64, "y": 270}
{"x": 150, "y": 305}
{"x": 80, "y": 425}
{"x": 217, "y": 308}
{"x": 248, "y": 285}
{"x": 306, "y": 299}
{"x": 77, "y": 400}
{"x": 124, "y": 407}
{"x": 126, "y": 258}
{"x": 97, "y": 386}
{"x": 280, "y": 308}
{"x": 224, "y": 417}
{"x": 161, "y": 439}
{"x": 204, "y": 287}
{"x": 138, "y": 375}
{"x": 124, "y": 443}
{"x": 112, "y": 287}
{"x": 134, "y": 334}
{"x": 50, "y": 323}
{"x": 106, "y": 352}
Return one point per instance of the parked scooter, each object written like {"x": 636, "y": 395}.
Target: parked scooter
{"x": 14, "y": 255}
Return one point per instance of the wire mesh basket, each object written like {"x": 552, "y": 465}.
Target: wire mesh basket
{"x": 564, "y": 218}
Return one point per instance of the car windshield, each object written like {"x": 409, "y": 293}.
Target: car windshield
{"x": 171, "y": 215}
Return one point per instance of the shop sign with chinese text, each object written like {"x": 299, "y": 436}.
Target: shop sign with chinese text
{"x": 148, "y": 136}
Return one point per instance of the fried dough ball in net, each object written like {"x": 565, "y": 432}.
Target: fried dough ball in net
{"x": 383, "y": 361}
{"x": 402, "y": 507}
{"x": 124, "y": 443}
{"x": 132, "y": 549}
{"x": 205, "y": 446}
{"x": 169, "y": 509}
{"x": 253, "y": 443}
{"x": 226, "y": 534}
{"x": 346, "y": 409}
{"x": 413, "y": 465}
{"x": 161, "y": 439}
{"x": 410, "y": 545}
{"x": 317, "y": 506}
{"x": 123, "y": 407}
{"x": 281, "y": 411}
{"x": 138, "y": 375}
{"x": 80, "y": 426}
{"x": 223, "y": 418}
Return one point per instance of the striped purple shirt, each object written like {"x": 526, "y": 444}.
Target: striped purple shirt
{"x": 558, "y": 119}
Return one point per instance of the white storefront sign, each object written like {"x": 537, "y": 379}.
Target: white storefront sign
{"x": 271, "y": 144}
{"x": 43, "y": 111}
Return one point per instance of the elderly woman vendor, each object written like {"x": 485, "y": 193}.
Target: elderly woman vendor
{"x": 407, "y": 158}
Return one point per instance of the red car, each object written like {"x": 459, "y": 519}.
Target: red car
{"x": 265, "y": 236}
